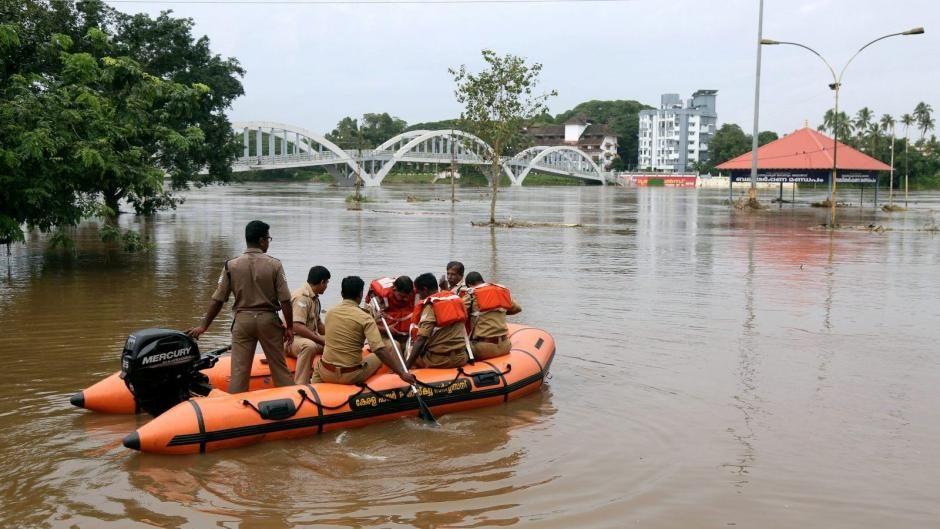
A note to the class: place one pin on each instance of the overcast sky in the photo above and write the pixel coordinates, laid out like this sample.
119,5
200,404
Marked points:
310,65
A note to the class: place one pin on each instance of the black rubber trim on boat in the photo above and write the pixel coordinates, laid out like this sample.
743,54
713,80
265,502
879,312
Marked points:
309,422
78,399
502,376
316,400
539,343
202,427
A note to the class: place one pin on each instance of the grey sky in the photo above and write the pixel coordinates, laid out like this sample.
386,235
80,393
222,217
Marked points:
310,65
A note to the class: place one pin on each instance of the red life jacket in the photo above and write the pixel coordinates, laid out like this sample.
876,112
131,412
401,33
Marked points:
448,309
491,296
397,316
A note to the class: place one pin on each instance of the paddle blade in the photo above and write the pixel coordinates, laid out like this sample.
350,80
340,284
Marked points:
424,412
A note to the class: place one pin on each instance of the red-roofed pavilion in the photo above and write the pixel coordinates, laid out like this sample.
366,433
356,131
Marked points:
805,157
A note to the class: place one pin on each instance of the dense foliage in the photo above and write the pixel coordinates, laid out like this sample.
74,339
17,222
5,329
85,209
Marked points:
375,129
918,157
730,141
97,106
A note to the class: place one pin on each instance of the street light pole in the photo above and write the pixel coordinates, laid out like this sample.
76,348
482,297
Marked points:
752,192
836,86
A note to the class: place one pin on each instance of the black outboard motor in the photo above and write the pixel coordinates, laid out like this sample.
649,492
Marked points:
161,368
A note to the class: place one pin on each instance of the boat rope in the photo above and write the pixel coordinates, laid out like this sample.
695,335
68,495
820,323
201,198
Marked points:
304,397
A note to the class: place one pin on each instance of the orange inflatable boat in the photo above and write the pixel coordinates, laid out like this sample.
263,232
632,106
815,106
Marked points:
208,423
111,395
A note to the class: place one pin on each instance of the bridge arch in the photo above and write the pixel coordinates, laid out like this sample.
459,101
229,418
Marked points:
530,158
303,141
418,138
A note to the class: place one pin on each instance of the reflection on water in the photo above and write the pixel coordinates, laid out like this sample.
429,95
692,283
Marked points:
714,367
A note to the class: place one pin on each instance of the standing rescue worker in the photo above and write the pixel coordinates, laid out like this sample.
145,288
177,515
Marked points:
348,327
308,327
396,298
453,280
488,304
260,287
441,335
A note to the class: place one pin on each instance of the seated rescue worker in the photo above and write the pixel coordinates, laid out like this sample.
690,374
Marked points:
488,304
396,298
453,280
308,327
441,333
348,327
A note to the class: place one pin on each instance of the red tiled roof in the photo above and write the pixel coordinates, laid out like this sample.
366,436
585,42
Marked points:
805,149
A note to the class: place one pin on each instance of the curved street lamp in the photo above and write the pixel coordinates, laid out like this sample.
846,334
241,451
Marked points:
835,86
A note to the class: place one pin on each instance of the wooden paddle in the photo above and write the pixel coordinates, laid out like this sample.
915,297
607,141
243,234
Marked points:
423,410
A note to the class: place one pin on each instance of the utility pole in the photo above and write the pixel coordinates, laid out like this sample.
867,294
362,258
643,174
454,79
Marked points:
453,169
752,192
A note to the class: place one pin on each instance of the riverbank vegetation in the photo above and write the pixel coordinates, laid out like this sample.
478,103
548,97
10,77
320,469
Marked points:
917,158
99,107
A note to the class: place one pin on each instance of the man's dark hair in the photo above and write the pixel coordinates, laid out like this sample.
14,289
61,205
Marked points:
456,264
473,278
255,231
352,286
317,274
426,280
404,285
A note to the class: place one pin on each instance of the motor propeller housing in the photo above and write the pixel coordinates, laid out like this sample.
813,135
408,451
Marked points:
159,367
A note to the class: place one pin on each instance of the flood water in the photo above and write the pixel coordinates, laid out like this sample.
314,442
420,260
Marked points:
714,368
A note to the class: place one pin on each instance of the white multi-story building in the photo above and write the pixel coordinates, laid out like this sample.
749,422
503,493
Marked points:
673,137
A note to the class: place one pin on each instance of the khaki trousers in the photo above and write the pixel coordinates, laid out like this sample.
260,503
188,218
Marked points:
455,358
370,364
485,350
305,351
248,329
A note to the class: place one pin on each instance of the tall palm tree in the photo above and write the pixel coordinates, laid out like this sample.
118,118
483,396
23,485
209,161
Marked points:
842,122
907,120
887,125
863,120
922,114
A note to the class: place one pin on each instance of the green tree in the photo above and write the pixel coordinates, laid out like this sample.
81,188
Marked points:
498,102
376,128
83,121
622,116
766,136
840,125
925,121
728,142
863,119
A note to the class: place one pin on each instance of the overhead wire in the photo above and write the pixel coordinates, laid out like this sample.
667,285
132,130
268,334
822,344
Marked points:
365,2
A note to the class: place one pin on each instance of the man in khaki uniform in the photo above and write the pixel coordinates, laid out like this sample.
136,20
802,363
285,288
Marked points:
260,287
453,279
308,327
489,335
348,327
443,347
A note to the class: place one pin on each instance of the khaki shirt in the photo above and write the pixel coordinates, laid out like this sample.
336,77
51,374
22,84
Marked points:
258,281
445,339
460,288
306,308
348,327
491,324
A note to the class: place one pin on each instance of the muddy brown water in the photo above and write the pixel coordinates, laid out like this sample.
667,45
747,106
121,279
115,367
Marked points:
714,368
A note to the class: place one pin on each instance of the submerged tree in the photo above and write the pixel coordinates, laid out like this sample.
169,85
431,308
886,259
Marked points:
97,106
498,102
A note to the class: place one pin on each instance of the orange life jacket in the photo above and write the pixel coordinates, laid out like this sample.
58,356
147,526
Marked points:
491,296
448,309
398,316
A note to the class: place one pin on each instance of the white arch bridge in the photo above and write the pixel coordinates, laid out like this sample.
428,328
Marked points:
269,145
